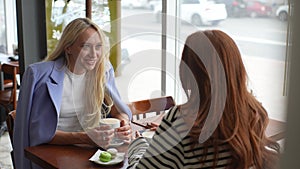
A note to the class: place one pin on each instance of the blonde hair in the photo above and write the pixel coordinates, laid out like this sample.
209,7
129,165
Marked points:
95,79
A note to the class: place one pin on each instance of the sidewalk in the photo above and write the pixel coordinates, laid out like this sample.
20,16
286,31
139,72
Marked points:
5,149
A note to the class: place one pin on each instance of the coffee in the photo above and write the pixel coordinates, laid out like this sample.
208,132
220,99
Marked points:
112,122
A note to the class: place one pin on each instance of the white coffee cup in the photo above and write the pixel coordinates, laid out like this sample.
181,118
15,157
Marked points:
113,123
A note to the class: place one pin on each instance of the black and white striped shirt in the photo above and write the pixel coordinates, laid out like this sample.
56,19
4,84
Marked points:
171,148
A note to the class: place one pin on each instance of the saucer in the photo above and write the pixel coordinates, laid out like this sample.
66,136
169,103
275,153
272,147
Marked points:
118,159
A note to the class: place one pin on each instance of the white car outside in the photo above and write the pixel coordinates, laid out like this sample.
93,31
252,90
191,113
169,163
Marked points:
282,12
199,12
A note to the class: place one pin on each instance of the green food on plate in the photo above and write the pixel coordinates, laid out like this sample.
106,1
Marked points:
105,156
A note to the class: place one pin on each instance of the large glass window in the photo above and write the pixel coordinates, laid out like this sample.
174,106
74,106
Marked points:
140,68
8,28
257,27
58,14
3,45
61,12
261,37
151,43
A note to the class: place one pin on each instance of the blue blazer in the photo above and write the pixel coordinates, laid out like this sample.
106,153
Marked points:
39,106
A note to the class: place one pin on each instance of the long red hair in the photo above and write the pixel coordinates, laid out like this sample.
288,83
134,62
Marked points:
243,120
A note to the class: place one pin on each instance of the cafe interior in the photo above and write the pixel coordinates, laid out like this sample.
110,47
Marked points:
146,42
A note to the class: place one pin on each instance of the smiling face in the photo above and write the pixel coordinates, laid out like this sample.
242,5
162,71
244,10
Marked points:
85,52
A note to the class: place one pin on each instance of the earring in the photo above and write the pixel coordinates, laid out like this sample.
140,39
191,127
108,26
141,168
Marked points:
188,93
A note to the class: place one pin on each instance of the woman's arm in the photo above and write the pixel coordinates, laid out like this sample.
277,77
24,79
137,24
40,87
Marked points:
124,132
98,136
164,150
116,114
121,110
22,120
64,138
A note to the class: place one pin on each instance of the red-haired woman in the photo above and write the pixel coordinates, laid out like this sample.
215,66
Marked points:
222,125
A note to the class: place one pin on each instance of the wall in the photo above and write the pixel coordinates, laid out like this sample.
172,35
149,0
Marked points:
290,157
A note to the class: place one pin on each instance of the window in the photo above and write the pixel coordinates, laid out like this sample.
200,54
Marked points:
151,48
59,14
259,34
140,68
3,45
261,37
8,27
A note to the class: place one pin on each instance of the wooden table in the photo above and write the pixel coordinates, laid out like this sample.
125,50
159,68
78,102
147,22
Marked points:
65,157
276,130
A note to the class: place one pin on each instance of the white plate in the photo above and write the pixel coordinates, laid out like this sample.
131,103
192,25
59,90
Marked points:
119,158
148,134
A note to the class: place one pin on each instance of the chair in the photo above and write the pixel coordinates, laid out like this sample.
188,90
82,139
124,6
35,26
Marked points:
10,126
8,96
157,105
10,123
8,83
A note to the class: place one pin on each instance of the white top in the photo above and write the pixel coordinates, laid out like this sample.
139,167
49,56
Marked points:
72,102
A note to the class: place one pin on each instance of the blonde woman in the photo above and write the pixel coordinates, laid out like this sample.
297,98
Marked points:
62,98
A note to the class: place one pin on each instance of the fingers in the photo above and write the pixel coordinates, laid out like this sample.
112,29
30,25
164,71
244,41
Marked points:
102,127
101,136
127,136
127,132
124,132
153,128
137,134
153,124
105,138
125,129
123,123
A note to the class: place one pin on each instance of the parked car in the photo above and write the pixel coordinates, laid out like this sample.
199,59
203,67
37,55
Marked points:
237,8
282,12
258,8
199,12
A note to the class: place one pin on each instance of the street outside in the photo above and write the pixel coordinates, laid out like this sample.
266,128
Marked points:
262,42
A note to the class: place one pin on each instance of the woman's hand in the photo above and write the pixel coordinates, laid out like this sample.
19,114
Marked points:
101,135
137,134
153,126
124,132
